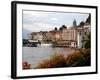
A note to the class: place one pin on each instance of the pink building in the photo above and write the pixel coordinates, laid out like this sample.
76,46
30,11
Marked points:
69,34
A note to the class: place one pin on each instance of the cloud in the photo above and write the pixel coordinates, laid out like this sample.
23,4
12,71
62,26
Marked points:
36,27
35,13
37,20
54,19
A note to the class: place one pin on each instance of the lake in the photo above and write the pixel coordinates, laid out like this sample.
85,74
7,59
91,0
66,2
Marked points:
33,55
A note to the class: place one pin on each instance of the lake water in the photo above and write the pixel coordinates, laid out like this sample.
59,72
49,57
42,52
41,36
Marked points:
33,55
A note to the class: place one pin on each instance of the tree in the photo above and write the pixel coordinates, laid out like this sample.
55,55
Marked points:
88,20
88,42
62,27
55,29
81,24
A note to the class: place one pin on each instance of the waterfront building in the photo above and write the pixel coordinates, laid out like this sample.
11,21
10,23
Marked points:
48,36
69,34
44,36
79,39
73,44
56,35
70,37
36,36
53,35
31,36
82,35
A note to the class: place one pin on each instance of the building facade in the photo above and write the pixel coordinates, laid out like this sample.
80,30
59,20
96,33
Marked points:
82,35
69,34
72,37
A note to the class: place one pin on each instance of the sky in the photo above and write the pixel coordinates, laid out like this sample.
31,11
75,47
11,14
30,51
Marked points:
35,21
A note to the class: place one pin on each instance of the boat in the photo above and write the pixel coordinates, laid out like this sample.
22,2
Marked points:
44,45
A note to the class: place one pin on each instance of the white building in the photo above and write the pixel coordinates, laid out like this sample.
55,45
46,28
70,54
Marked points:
82,33
79,39
36,36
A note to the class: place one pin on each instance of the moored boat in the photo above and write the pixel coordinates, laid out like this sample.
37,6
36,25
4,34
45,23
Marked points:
44,45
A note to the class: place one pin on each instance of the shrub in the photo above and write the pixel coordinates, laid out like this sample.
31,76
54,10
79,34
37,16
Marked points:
56,60
87,55
80,57
75,59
